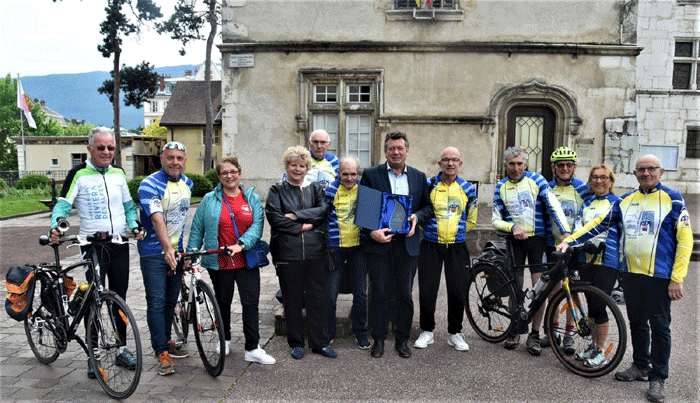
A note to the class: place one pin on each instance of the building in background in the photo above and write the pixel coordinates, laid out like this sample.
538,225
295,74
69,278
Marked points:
667,121
186,121
477,75
154,108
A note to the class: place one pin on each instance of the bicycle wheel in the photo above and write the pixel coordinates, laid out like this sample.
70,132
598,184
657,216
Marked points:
489,298
591,334
180,322
40,322
208,329
106,345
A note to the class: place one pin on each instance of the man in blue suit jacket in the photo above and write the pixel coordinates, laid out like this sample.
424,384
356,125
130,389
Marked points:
392,258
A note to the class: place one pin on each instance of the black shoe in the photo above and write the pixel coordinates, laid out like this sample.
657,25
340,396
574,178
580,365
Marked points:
326,352
512,341
377,349
402,348
91,371
533,344
656,392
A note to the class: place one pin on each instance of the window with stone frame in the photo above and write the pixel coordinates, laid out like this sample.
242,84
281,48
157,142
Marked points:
686,57
692,143
345,105
402,4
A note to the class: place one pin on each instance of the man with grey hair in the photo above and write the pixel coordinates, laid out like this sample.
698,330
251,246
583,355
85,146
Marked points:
101,196
345,241
519,204
657,242
324,165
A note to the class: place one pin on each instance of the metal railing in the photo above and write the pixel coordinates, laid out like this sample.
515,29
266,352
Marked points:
11,177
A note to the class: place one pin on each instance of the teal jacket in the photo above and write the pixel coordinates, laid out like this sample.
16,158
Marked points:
205,224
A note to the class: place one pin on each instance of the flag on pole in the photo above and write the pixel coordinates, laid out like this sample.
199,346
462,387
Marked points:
23,105
428,3
418,3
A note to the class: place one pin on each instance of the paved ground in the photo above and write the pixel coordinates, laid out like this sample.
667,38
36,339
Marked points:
485,373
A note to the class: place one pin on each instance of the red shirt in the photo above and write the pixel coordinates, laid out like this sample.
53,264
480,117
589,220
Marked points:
227,233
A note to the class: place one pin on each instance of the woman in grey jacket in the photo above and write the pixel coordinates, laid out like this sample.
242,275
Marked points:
229,206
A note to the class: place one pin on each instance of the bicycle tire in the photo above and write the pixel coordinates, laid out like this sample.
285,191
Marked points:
41,339
488,302
180,319
118,381
208,329
615,339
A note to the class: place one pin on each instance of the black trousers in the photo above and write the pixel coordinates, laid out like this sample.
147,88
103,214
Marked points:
394,270
456,260
306,283
248,282
114,267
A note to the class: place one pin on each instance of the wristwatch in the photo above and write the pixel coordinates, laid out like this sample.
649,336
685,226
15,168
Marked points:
239,242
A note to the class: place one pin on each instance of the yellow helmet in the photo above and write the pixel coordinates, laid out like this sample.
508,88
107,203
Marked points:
563,154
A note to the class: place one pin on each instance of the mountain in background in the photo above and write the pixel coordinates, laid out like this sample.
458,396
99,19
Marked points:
75,96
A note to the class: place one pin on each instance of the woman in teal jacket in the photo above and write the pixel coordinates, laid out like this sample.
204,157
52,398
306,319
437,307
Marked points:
226,211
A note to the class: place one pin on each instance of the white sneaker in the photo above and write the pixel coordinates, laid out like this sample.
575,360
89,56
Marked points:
424,339
228,347
457,341
259,355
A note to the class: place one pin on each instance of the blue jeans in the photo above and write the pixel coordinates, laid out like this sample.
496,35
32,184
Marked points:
352,259
161,296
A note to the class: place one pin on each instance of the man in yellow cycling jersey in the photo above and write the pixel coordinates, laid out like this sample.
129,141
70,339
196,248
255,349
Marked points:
519,204
657,242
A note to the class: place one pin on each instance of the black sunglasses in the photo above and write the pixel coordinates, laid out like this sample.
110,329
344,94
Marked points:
102,148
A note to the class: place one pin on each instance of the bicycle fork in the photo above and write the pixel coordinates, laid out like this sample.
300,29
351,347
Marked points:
574,305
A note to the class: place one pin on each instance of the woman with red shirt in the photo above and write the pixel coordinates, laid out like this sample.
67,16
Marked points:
213,225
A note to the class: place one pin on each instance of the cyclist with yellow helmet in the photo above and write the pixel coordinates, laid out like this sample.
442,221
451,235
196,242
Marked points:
571,193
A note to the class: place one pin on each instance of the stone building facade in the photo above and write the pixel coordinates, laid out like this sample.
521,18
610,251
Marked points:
668,96
478,75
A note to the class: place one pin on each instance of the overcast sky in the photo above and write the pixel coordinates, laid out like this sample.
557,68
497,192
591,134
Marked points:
40,37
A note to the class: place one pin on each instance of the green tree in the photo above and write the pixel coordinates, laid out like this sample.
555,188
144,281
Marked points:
117,25
77,130
185,25
138,83
155,130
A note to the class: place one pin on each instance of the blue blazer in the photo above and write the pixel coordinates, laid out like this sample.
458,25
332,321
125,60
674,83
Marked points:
377,178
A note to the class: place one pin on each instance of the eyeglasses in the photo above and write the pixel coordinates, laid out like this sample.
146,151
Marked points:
600,178
102,148
228,173
446,160
319,142
564,165
651,170
176,145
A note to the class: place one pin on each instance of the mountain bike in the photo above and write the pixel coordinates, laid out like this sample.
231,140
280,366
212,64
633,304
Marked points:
54,319
495,307
197,305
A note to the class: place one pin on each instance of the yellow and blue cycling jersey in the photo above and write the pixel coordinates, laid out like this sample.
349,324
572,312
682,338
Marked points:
455,211
522,203
341,228
592,208
571,197
656,236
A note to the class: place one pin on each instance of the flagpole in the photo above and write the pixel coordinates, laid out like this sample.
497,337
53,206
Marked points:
24,147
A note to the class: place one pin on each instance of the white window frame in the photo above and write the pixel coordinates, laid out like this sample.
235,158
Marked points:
317,92
341,114
55,162
693,60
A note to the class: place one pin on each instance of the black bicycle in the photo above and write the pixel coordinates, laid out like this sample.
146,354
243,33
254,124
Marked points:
495,307
54,318
197,305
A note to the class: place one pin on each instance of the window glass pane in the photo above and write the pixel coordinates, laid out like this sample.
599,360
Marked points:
359,93
359,131
681,75
684,49
692,145
329,123
325,93
529,132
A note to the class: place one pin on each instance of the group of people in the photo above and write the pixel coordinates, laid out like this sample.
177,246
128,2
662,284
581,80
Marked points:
647,237
315,243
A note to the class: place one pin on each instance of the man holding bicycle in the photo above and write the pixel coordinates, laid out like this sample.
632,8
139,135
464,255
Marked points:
165,201
100,193
519,204
657,242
